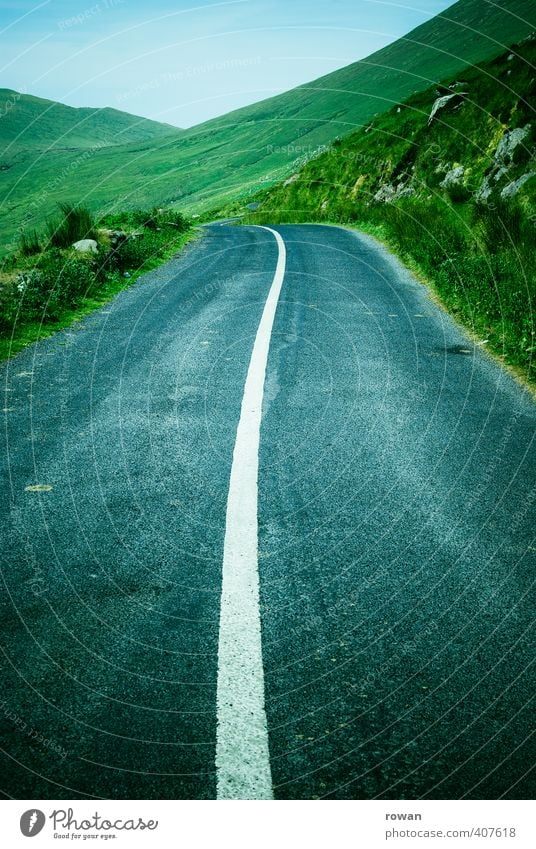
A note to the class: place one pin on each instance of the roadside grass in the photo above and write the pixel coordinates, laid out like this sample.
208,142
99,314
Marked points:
490,295
59,286
483,269
74,223
476,252
29,243
481,265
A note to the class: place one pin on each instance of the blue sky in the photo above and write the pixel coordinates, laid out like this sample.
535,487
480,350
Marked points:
184,62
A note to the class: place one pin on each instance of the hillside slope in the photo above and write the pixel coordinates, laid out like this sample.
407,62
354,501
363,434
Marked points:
475,146
449,180
465,34
35,123
233,156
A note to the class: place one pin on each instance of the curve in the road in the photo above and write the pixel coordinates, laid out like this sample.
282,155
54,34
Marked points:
393,580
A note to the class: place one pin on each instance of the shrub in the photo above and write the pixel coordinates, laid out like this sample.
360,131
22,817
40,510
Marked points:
498,223
29,243
128,218
135,252
75,223
158,218
152,219
176,219
458,193
54,284
59,278
9,304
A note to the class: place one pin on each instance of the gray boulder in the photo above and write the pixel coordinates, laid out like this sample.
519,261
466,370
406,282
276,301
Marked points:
388,193
385,194
404,191
86,246
508,143
484,190
441,102
452,177
512,188
502,162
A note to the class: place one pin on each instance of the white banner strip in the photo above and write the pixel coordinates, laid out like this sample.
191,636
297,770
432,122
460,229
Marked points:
243,824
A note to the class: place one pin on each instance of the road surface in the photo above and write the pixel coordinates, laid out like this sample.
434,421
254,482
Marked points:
329,595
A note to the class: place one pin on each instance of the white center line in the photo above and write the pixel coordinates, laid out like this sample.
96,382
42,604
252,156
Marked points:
242,754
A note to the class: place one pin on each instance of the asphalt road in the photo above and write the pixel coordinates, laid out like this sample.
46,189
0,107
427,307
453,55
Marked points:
396,502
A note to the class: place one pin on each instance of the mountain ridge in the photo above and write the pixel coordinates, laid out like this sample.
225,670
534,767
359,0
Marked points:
29,122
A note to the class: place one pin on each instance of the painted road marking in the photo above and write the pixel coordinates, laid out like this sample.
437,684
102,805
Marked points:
242,754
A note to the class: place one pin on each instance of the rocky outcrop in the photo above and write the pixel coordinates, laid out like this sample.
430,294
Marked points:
452,177
453,99
404,191
501,163
388,193
385,194
512,188
291,180
508,143
26,279
484,190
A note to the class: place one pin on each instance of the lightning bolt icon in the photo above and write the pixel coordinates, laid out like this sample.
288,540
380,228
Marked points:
33,820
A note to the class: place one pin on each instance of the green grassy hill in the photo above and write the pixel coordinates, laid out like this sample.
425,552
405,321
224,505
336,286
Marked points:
29,122
234,155
403,154
455,196
466,33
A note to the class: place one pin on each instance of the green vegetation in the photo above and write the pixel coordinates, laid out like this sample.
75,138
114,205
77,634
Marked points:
73,224
455,197
28,122
47,284
233,156
29,243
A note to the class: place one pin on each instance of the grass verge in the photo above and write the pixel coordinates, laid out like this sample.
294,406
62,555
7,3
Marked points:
474,325
452,193
51,288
